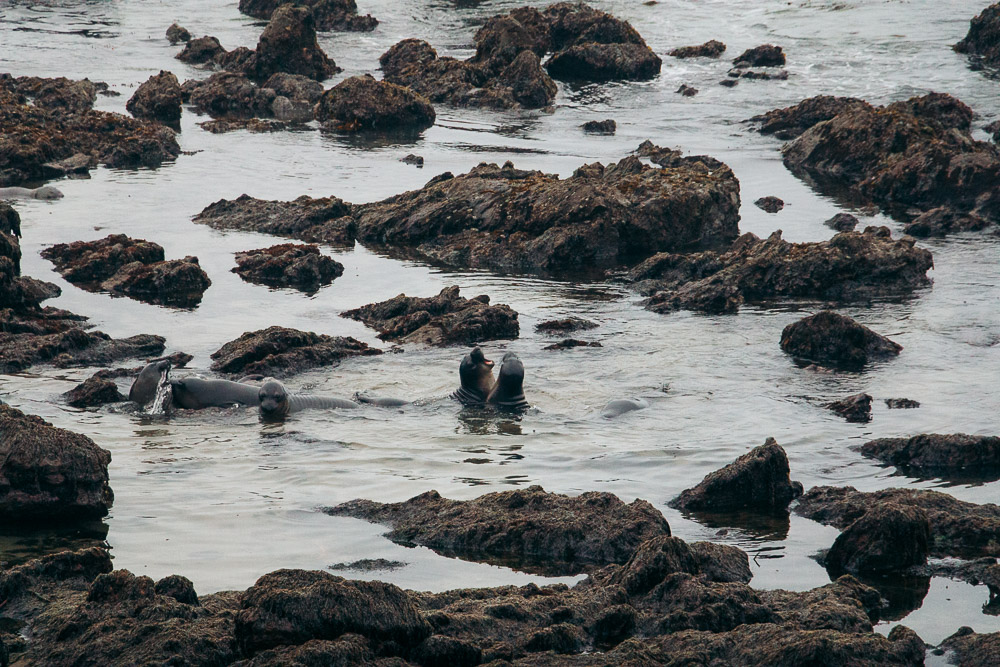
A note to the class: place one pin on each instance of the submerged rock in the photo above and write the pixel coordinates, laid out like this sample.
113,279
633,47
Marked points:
983,39
288,265
831,338
765,55
770,204
687,91
608,126
279,352
856,408
445,319
938,454
790,122
757,481
362,103
570,343
340,15
200,50
710,49
565,325
885,539
159,98
98,389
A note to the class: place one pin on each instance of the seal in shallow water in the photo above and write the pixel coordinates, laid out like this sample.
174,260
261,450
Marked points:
476,375
276,403
508,392
45,192
620,406
143,390
192,393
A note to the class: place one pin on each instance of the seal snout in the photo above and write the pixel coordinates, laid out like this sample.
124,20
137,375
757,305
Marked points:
273,398
478,357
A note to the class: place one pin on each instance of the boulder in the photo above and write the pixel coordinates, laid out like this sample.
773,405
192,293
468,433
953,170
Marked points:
200,50
279,352
604,62
790,122
176,33
600,126
688,91
710,49
288,44
445,319
339,15
323,220
831,338
91,262
362,103
288,265
971,649
887,538
98,389
982,43
159,98
842,222
229,94
856,408
765,55
901,403
176,282
565,325
938,454
770,204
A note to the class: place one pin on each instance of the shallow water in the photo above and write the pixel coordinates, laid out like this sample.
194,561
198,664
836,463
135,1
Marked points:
222,499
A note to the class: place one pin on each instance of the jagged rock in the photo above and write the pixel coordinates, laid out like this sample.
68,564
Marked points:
288,44
849,267
226,94
159,98
710,49
295,87
325,220
176,33
90,262
842,222
570,343
49,474
175,282
856,408
687,91
98,389
765,55
58,94
288,265
362,103
535,530
901,403
608,126
769,204
972,649
939,454
445,319
790,122
565,325
888,538
831,338
72,347
278,351
983,39
200,50
330,14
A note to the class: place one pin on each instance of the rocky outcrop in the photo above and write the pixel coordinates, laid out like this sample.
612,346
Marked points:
159,98
338,15
565,325
49,474
96,390
938,454
177,33
982,43
279,352
527,528
323,220
91,262
790,122
608,126
765,55
713,48
228,95
58,94
288,44
856,408
971,649
770,204
362,103
176,282
56,339
885,539
758,481
200,50
445,319
831,338
288,265
849,267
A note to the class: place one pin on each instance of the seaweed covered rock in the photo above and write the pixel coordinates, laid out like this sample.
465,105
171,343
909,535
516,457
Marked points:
322,220
765,55
607,126
200,50
57,339
362,103
445,319
938,454
982,43
288,265
49,474
770,204
89,262
279,351
536,530
159,98
98,389
758,480
971,649
831,338
338,15
849,267
792,121
842,222
229,94
176,282
288,44
889,538
856,408
713,48
176,33
565,325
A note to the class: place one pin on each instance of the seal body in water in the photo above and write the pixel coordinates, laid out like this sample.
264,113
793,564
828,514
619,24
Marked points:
45,192
476,375
620,406
276,403
508,392
191,393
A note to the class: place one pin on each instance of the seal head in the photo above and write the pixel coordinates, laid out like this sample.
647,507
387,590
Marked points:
273,400
476,375
508,392
47,192
143,390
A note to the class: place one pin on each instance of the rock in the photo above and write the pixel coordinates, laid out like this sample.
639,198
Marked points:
280,352
652,562
295,87
983,39
288,44
98,389
756,481
901,403
885,539
608,126
369,565
290,111
340,15
856,408
842,222
722,562
765,55
710,49
971,649
445,319
362,103
831,338
790,122
159,98
255,125
10,223
177,587
570,343
91,262
176,282
729,83
324,220
849,267
687,91
228,94
48,474
565,325
535,530
938,454
79,163
994,129
288,265
176,33
604,62
756,74
200,50
441,651
69,347
769,204
59,94
942,221
415,160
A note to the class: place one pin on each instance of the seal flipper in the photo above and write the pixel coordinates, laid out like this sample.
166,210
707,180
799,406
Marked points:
380,401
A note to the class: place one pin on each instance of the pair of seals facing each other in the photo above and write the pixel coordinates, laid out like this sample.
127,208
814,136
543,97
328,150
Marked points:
46,192
479,388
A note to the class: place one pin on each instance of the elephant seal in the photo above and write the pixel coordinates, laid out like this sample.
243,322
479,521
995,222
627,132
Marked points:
143,390
194,393
380,401
276,403
508,392
620,406
46,192
476,375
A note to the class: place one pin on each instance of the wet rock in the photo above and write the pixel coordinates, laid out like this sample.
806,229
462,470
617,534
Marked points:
200,50
729,83
339,15
226,94
280,352
758,75
98,389
58,94
790,122
842,222
570,343
972,649
940,454
288,44
831,338
295,87
856,408
49,474
441,651
565,325
159,98
994,130
90,262
323,220
608,126
851,266
652,562
942,221
769,204
176,282
176,33
10,223
983,39
710,49
79,163
604,62
415,160
445,319
901,403
288,265
528,527
362,103
69,347
765,55
291,111
758,481
177,587
721,562
254,125
369,565
885,539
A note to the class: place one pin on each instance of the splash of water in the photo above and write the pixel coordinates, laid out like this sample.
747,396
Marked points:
164,395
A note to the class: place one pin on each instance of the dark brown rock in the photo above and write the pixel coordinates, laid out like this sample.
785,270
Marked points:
175,282
339,15
687,91
295,87
67,347
901,403
441,651
831,338
710,49
790,122
600,126
939,454
278,352
415,160
758,481
653,561
722,562
983,39
59,94
49,474
177,587
842,222
362,103
856,408
159,98
887,538
570,343
288,44
565,325
943,220
200,50
229,94
972,649
528,528
324,220
765,55
288,265
604,62
769,204
10,223
98,389
176,33
90,262
254,125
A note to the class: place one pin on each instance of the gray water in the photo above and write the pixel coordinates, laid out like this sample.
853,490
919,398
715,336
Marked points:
222,499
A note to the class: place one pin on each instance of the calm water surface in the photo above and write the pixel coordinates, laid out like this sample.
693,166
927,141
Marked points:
222,499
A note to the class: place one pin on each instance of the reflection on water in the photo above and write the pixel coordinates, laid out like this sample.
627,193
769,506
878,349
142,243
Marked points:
22,543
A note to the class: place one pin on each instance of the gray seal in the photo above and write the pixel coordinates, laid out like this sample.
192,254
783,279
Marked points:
46,192
620,406
508,392
194,393
143,390
476,376
276,403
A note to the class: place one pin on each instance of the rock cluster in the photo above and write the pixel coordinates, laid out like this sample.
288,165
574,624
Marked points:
279,352
982,43
339,15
